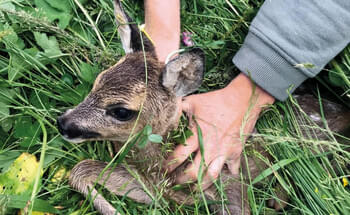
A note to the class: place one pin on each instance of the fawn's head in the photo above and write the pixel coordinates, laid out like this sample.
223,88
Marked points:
137,91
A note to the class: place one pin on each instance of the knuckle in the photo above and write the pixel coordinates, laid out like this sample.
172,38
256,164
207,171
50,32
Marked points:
192,173
213,174
191,145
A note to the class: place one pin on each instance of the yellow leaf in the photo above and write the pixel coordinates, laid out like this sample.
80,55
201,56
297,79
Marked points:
60,175
345,182
21,212
20,177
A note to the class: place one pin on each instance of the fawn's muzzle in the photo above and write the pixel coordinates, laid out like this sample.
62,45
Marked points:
71,131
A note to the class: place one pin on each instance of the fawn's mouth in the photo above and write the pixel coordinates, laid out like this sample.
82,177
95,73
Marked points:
79,139
74,133
75,140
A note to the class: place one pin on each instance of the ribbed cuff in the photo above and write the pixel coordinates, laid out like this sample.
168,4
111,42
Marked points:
267,68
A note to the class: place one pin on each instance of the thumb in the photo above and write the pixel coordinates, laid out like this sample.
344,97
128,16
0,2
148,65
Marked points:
234,164
188,108
187,104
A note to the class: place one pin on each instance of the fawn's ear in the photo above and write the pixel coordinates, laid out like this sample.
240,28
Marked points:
184,74
130,33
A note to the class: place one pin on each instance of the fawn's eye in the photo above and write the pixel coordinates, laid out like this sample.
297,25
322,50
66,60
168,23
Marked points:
120,113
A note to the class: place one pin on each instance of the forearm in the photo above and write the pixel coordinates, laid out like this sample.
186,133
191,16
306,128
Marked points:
287,34
162,23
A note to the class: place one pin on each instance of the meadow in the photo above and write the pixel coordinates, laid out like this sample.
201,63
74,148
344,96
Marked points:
50,54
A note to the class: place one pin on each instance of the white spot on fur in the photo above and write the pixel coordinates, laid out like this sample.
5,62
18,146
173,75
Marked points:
315,117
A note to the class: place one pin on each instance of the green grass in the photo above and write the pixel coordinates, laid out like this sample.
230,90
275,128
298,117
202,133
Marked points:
50,54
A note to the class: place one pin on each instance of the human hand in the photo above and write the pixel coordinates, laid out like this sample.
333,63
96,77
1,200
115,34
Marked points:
225,117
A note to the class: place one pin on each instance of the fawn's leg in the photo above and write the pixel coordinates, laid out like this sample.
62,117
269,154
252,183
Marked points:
235,192
85,174
232,192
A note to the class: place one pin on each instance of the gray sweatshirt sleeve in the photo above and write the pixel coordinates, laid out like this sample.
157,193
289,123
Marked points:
288,33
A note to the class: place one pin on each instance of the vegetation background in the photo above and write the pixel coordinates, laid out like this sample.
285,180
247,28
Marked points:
52,50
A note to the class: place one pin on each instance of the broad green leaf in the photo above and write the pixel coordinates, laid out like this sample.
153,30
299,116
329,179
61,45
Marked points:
10,38
6,95
21,61
155,138
7,5
53,13
13,43
83,89
142,141
88,72
27,130
39,100
143,138
13,73
4,111
7,158
67,78
22,127
54,151
6,124
29,141
147,130
20,201
63,5
48,44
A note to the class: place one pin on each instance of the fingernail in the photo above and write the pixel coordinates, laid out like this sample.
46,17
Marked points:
205,185
179,180
183,180
168,165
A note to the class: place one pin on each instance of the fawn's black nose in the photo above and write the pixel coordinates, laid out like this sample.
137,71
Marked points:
71,130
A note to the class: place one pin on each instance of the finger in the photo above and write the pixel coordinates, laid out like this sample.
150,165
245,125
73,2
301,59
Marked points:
186,104
213,172
179,109
191,173
234,164
188,109
182,152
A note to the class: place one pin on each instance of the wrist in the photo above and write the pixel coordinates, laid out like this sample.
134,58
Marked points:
243,88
